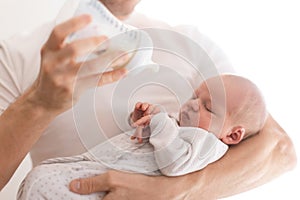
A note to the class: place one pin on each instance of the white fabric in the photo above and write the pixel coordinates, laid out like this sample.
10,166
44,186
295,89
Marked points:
171,151
181,150
74,131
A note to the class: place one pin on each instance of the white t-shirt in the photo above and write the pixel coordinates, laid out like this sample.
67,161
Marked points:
103,112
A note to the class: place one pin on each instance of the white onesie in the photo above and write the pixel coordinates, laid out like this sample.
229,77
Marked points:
171,151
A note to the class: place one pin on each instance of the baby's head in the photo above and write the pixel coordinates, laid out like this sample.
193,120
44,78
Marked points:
230,106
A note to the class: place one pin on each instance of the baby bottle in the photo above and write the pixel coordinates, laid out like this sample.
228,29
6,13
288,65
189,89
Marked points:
122,38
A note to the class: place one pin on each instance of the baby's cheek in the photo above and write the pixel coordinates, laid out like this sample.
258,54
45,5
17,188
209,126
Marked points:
194,119
204,121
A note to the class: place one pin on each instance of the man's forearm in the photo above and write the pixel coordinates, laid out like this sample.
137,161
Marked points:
248,165
21,125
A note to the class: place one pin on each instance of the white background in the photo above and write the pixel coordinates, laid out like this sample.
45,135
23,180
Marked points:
261,38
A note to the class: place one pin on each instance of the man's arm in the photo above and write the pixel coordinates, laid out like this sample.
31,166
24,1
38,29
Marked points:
254,162
23,122
20,127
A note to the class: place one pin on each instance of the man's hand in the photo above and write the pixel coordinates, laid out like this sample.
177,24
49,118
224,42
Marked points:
122,185
54,90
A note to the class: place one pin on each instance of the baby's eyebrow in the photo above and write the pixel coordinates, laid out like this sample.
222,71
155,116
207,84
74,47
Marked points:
194,95
197,92
208,101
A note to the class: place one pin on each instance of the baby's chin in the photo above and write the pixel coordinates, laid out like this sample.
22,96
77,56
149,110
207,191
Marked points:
182,119
189,119
185,121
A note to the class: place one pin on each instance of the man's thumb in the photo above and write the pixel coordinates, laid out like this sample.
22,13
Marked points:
87,185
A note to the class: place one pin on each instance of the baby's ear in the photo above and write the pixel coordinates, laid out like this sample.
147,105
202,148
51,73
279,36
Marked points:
235,135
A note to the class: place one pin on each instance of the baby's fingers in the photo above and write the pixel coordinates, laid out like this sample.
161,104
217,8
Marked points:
153,109
144,121
157,109
149,110
145,106
138,105
138,134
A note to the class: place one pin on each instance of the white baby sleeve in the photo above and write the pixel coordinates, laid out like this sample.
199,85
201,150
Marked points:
181,150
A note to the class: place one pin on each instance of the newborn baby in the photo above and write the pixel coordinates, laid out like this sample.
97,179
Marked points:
223,111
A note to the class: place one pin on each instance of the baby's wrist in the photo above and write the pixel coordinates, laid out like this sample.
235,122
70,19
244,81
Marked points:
130,120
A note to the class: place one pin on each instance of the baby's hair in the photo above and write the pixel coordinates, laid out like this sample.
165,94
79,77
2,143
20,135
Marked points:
252,111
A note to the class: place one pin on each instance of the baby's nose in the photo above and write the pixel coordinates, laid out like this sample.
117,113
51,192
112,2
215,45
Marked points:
195,105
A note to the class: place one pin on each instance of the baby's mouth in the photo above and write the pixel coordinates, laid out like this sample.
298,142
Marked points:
185,115
183,118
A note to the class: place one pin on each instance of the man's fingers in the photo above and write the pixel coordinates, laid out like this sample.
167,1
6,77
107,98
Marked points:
61,31
82,47
100,63
84,83
90,185
112,76
79,48
110,196
120,59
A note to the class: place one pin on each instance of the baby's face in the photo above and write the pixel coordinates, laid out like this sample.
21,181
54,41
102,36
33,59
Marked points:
204,108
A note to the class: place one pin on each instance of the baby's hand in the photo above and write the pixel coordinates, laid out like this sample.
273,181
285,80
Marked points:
144,109
140,125
138,134
141,117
